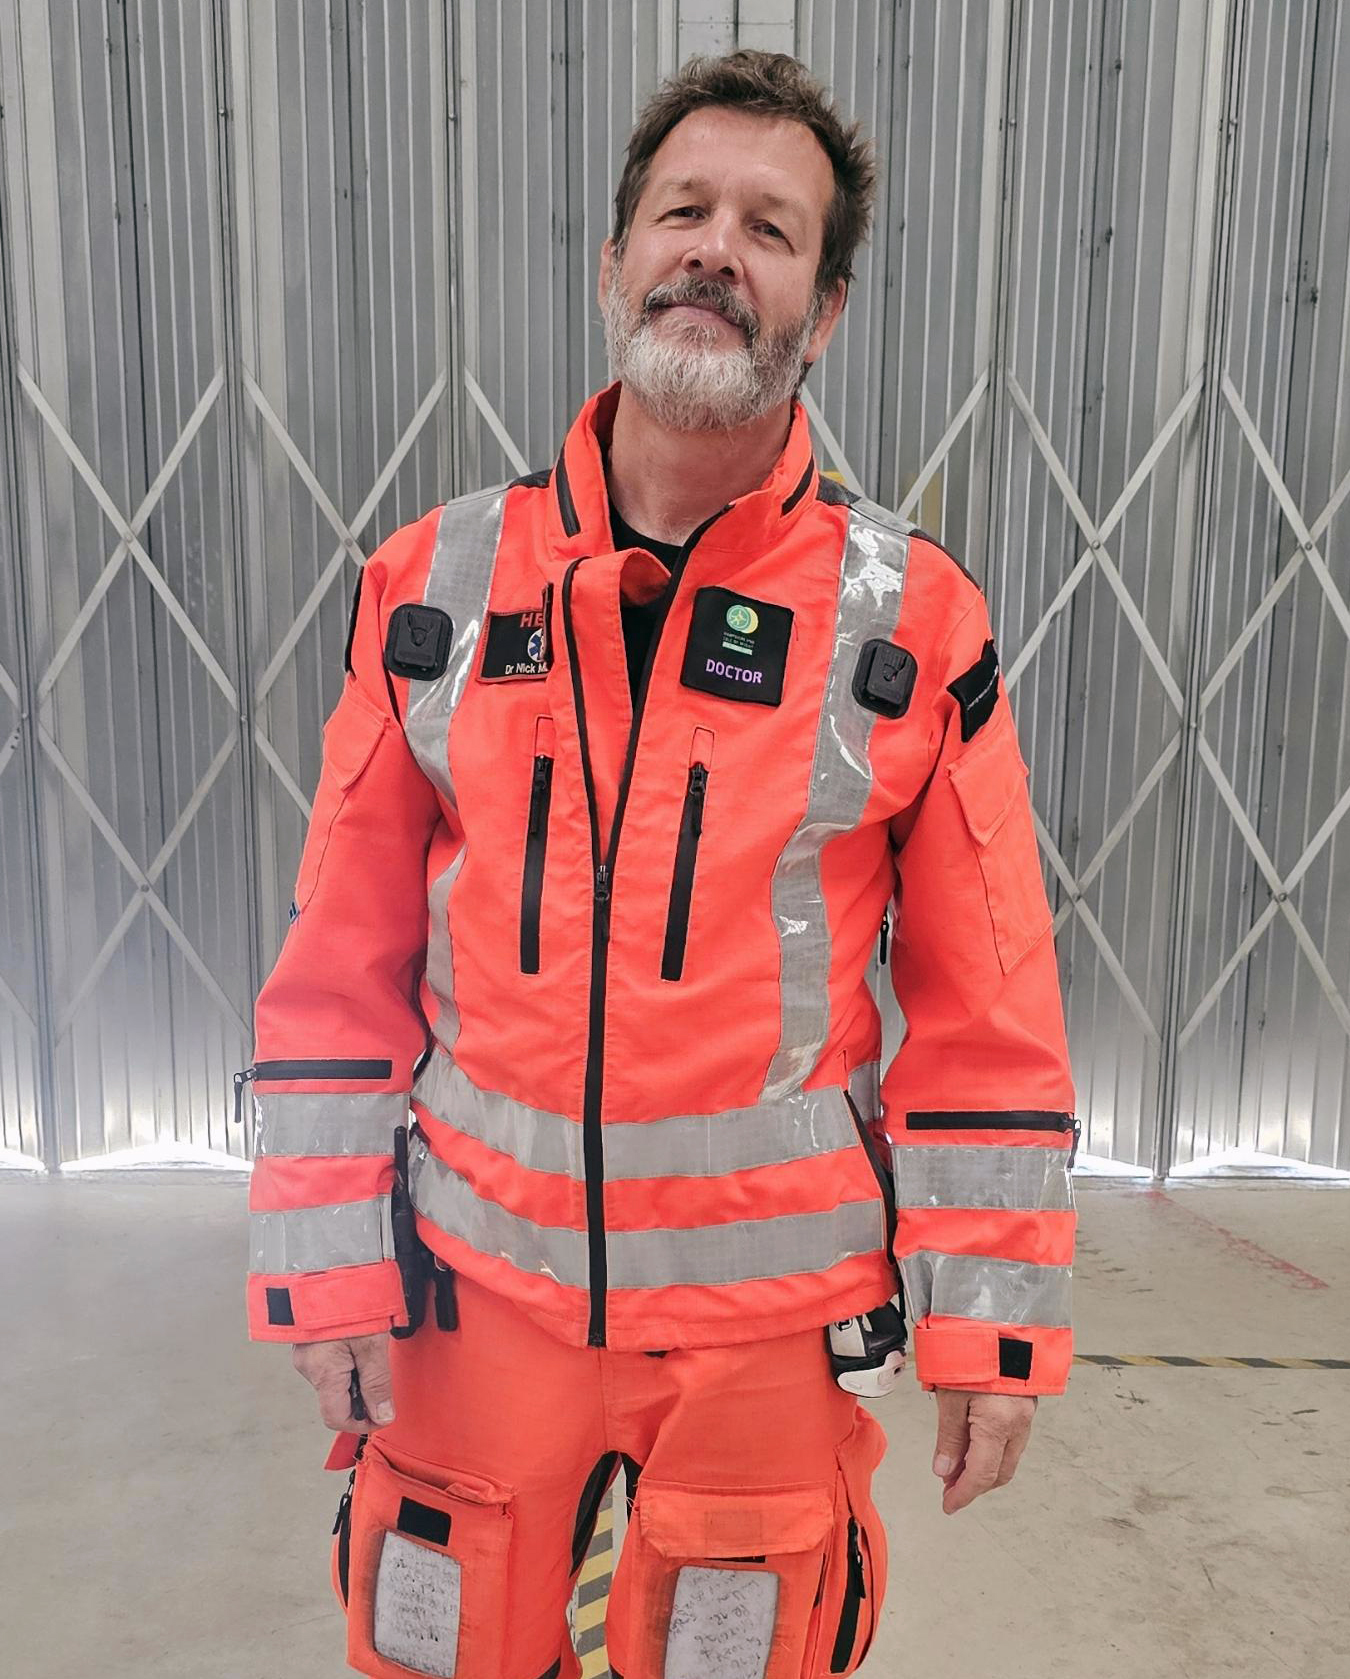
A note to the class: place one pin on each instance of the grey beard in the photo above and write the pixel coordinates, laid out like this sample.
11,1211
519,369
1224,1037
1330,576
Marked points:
688,382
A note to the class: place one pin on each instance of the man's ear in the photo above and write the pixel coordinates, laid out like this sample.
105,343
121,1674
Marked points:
835,300
606,271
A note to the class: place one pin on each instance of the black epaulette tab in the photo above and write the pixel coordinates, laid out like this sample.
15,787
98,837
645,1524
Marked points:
976,691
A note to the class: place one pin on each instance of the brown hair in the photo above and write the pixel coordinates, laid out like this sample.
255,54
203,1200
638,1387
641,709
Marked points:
768,84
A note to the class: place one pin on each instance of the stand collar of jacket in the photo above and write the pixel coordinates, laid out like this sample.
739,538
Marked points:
578,515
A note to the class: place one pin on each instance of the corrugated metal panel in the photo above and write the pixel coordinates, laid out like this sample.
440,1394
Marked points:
265,338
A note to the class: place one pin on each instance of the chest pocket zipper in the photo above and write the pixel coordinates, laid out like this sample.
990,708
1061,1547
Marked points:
536,845
686,855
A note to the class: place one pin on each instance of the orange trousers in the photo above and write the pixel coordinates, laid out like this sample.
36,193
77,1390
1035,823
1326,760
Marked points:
753,1548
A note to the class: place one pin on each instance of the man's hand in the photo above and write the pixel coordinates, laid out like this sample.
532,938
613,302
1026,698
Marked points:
327,1366
980,1440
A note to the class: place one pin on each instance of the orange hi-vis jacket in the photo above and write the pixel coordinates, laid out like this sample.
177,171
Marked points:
613,951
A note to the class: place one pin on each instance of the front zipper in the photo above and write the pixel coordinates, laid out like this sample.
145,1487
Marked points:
854,1593
686,858
318,1069
536,845
883,1177
602,860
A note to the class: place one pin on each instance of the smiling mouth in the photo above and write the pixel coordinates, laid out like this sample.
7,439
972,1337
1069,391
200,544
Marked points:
701,309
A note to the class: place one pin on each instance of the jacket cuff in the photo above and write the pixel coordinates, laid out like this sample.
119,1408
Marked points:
325,1305
991,1357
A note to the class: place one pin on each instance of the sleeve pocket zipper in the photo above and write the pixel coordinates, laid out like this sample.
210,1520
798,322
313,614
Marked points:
306,1069
536,845
686,857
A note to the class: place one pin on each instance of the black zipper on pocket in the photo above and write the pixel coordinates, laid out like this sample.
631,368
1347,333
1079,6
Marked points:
682,879
342,1527
854,1593
884,938
305,1070
532,881
879,1171
1013,1119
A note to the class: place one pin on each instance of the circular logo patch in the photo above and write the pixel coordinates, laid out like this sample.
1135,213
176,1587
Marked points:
743,618
535,649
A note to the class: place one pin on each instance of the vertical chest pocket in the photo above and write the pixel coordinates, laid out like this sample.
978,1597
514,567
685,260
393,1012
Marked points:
990,783
536,844
350,738
686,854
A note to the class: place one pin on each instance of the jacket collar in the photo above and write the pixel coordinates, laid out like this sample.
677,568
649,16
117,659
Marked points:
578,514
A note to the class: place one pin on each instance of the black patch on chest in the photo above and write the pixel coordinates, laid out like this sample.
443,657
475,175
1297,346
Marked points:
516,646
883,679
418,643
737,647
976,691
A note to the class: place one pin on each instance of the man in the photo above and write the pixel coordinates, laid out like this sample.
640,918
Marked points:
632,759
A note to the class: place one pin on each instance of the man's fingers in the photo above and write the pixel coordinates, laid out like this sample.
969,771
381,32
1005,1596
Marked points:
371,1353
984,1459
333,1387
953,1431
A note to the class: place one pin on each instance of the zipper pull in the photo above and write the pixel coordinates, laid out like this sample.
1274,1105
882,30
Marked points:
537,785
602,895
1077,1135
245,1076
345,1502
855,1560
884,942
698,786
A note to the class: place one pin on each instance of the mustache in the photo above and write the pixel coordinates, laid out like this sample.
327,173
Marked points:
706,293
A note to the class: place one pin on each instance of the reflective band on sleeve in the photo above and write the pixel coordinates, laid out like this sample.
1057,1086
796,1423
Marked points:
307,1123
810,1123
458,583
321,1238
440,954
704,1255
975,1175
864,1086
953,1285
871,583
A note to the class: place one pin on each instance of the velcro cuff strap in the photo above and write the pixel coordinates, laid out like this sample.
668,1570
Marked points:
956,1355
344,1301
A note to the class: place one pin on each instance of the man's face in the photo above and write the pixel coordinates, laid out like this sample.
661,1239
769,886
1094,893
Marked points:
711,309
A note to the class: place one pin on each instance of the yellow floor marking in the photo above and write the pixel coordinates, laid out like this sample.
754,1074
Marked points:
596,1663
594,1568
591,1614
605,1520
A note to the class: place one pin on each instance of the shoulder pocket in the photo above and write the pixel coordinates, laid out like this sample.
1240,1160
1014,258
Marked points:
990,783
350,737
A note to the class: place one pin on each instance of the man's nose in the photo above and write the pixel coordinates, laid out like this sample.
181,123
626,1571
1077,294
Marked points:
713,252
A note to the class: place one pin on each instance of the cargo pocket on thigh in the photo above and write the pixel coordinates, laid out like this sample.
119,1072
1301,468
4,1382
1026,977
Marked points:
718,1582
855,1577
426,1569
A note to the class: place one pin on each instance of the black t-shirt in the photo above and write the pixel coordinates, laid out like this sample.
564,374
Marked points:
639,621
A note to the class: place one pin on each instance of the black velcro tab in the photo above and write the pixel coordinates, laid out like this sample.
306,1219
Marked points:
418,643
883,679
1014,1358
517,646
423,1522
976,691
279,1308
737,647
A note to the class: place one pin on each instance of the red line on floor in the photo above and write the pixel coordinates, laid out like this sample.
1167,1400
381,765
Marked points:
1241,1244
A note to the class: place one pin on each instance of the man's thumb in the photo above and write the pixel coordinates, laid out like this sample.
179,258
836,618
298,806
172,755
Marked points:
953,1430
371,1354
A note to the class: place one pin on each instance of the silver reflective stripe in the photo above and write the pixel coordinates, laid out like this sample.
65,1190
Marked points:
957,1285
871,583
864,1086
321,1238
810,1123
458,583
705,1255
309,1124
440,953
957,1175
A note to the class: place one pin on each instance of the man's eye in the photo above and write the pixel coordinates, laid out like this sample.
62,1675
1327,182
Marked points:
685,210
777,232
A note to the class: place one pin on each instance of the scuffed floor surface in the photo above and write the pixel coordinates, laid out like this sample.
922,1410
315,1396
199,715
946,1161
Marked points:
165,1512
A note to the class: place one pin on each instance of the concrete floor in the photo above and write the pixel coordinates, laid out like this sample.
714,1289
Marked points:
164,1510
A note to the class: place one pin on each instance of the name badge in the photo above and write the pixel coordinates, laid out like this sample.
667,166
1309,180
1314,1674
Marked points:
517,646
737,647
